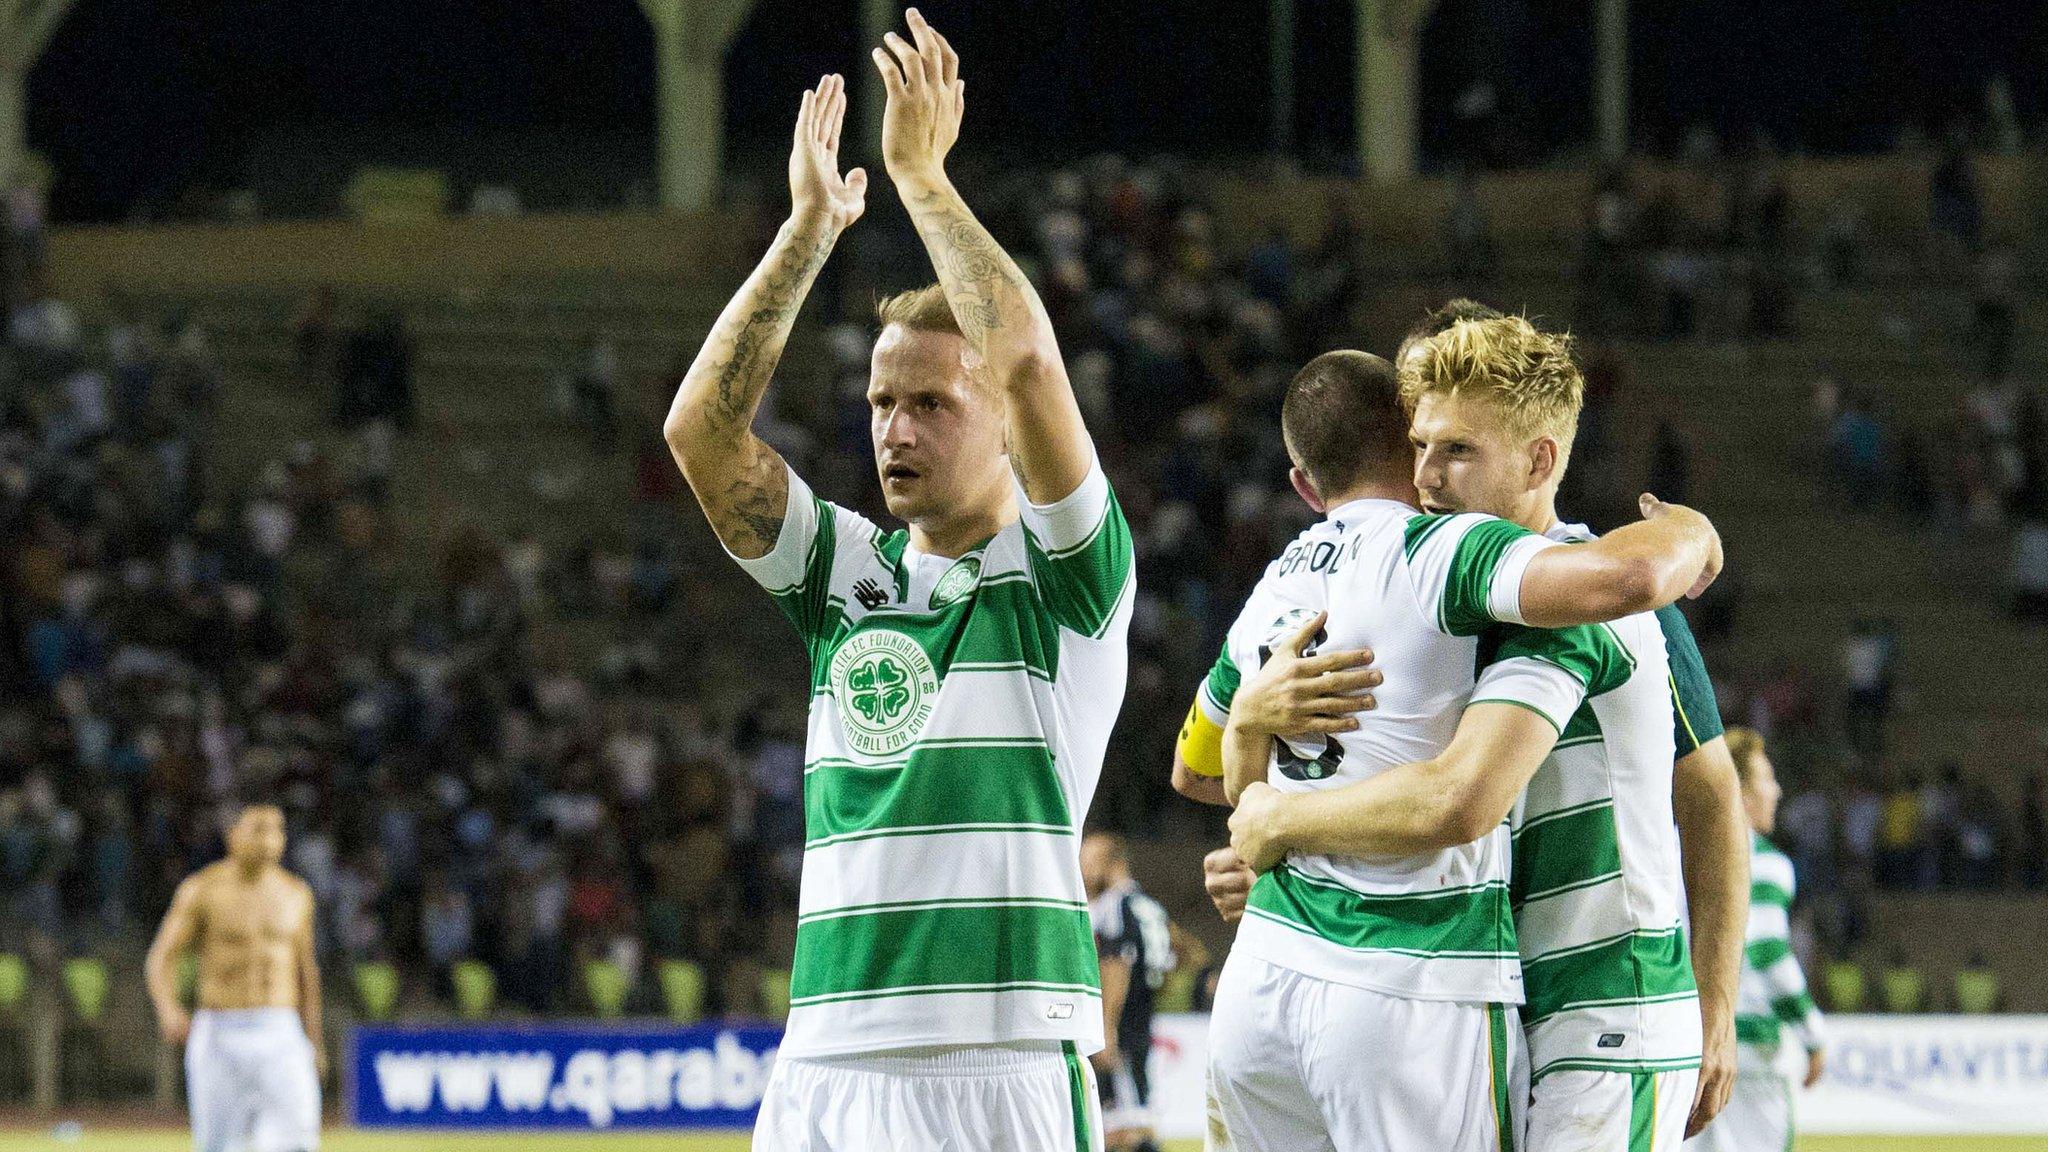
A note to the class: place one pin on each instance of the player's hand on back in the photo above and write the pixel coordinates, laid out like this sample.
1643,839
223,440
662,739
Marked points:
926,100
1297,694
1654,509
1228,882
816,189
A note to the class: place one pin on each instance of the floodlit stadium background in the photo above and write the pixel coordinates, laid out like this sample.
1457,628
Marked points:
336,349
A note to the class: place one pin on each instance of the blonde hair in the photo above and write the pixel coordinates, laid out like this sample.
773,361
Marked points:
1744,745
920,310
1528,372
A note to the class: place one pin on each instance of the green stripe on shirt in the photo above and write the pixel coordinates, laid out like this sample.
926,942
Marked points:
1456,922
937,949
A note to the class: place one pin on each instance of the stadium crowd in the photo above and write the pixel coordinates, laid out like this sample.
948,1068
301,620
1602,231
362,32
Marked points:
459,785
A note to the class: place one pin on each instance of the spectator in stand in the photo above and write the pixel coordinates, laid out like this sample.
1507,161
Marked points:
1905,861
1806,823
1863,812
1981,842
1870,670
1856,450
1994,325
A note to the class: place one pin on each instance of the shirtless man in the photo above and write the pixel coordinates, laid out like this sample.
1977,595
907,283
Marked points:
253,1059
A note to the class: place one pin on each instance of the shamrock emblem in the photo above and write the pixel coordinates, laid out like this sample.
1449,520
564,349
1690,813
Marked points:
879,689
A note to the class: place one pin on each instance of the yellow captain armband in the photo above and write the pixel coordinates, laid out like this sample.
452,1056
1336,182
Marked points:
1201,743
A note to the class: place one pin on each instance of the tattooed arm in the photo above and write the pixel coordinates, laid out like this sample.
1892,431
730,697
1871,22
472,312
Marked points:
998,311
741,482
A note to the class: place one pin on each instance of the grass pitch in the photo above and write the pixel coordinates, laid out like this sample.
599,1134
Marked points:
94,1139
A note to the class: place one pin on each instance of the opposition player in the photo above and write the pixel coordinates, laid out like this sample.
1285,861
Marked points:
965,671
1135,941
253,1056
1414,948
1774,997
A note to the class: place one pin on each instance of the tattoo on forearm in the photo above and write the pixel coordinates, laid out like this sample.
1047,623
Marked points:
739,489
743,374
979,278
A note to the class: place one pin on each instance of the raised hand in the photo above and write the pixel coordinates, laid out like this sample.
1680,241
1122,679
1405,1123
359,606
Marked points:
926,100
816,189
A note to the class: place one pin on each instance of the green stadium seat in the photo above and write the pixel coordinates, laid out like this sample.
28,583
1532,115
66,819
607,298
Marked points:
86,983
1846,985
1903,988
397,195
1976,991
476,989
376,989
775,993
606,985
14,980
682,990
1177,993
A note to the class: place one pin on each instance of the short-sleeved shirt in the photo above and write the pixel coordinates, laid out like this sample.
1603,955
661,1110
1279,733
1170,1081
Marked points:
1597,884
1437,599
959,711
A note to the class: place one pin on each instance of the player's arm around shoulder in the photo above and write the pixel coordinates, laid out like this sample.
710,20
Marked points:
1673,551
1516,713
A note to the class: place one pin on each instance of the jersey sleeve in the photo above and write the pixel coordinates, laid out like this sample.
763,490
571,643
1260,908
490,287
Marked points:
1080,553
1519,674
1201,734
1551,671
1695,713
1467,569
797,571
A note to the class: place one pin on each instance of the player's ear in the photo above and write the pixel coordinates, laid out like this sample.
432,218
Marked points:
1306,490
1543,460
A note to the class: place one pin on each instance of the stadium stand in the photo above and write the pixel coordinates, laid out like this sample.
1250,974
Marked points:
407,553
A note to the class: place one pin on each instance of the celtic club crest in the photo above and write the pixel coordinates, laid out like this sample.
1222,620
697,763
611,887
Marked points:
886,690
958,581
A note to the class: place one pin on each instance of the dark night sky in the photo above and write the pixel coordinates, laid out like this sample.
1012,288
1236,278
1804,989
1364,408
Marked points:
138,102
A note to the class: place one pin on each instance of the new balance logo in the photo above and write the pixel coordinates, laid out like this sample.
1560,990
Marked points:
1061,1010
870,595
1611,1040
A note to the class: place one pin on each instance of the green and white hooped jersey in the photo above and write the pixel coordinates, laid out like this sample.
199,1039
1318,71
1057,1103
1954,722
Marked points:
1597,886
959,712
1426,594
1772,997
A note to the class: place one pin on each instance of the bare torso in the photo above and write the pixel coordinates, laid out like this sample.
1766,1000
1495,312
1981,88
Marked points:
247,936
